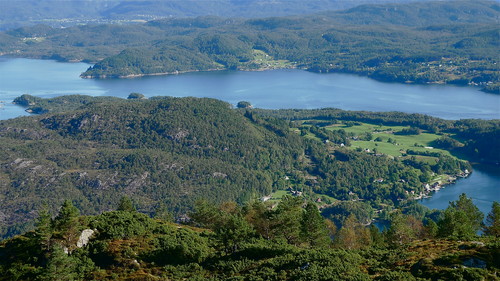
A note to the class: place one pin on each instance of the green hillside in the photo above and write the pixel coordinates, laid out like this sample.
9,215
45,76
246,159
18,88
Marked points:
73,12
173,151
436,42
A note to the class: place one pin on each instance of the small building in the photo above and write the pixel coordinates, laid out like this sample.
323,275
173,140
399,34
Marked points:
265,198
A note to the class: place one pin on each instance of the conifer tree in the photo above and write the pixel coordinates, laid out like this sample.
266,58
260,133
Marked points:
233,231
431,228
401,231
259,215
377,237
43,231
59,267
66,217
126,205
314,229
492,227
287,219
163,213
462,219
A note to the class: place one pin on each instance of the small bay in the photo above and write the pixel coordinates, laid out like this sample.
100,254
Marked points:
482,186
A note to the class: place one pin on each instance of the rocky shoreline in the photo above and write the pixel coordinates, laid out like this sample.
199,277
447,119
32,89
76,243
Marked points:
440,184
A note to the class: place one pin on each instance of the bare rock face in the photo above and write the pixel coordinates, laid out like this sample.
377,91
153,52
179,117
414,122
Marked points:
84,237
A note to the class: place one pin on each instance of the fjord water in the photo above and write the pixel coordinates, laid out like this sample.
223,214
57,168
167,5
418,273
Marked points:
482,186
267,89
272,89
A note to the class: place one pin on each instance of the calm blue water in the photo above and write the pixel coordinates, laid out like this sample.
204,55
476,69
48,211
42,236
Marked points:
268,89
483,186
272,89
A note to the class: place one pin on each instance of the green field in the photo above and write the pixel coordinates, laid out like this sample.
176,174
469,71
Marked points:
277,195
399,144
261,60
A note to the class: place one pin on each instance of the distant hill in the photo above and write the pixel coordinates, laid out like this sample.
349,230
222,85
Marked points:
65,13
421,14
434,42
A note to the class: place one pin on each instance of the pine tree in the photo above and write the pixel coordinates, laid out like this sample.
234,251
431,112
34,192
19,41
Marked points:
462,219
233,231
43,231
259,215
402,230
492,227
314,229
206,214
163,213
126,205
59,267
377,237
287,218
431,228
66,217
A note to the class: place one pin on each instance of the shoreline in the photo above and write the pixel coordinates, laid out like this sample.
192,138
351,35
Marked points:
439,184
131,76
361,74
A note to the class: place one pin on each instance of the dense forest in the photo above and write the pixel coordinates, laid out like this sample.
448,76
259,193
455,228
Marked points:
165,188
66,13
433,42
171,152
290,241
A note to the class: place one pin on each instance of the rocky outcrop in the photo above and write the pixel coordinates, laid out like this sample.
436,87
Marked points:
84,237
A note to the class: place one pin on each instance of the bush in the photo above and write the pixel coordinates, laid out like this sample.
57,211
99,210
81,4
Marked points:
121,225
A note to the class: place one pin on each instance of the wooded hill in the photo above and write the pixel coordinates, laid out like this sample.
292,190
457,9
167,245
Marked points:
173,151
72,12
434,42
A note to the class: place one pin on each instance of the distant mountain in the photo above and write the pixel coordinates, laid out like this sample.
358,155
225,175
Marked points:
421,14
65,13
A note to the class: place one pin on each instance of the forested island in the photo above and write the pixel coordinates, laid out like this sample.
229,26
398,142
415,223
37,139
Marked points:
433,42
